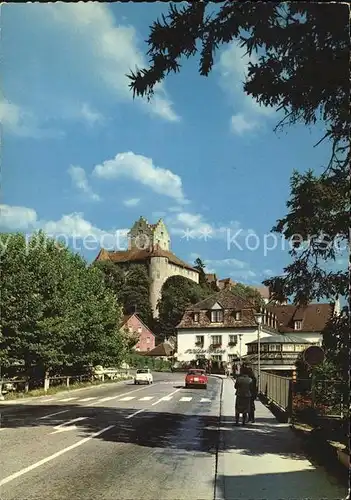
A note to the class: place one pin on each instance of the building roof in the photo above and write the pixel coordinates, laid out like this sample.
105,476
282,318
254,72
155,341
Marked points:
163,349
127,317
137,255
230,302
314,317
280,339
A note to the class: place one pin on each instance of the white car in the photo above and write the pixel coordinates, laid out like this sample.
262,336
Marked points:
143,376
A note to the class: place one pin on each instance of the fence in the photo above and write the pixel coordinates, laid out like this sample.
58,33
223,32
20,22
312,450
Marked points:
24,385
276,390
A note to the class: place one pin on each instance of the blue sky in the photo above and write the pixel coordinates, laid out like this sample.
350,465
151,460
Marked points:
80,157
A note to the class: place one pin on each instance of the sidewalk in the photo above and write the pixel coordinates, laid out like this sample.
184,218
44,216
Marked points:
264,460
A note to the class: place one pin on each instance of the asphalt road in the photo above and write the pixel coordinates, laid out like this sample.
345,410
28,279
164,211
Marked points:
121,441
116,441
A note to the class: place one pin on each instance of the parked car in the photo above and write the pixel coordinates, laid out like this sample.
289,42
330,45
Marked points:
196,378
143,376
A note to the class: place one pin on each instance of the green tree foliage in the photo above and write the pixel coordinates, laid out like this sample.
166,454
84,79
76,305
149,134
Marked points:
303,71
178,293
113,275
249,293
200,266
135,293
131,286
55,310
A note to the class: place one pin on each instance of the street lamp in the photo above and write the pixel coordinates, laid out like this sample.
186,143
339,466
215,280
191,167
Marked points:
258,319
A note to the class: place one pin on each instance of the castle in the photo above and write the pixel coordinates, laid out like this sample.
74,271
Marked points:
150,244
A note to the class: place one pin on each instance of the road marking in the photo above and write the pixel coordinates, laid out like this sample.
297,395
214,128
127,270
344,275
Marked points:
146,398
66,427
47,400
205,400
128,398
166,398
53,414
66,399
120,395
153,404
185,399
88,399
20,473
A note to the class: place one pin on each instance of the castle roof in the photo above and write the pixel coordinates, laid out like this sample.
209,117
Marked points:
137,255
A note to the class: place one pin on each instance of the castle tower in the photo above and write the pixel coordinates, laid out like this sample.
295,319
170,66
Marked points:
145,235
158,272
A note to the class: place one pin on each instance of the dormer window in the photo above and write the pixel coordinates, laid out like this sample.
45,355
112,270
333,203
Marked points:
298,325
217,316
196,317
237,315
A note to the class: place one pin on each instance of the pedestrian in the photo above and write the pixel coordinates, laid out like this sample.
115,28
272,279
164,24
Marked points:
243,395
254,393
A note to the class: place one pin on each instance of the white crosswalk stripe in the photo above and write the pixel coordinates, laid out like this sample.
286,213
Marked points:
87,399
166,398
128,398
67,399
146,398
205,400
185,399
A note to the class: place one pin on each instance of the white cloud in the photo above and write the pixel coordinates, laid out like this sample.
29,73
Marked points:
233,67
240,124
142,169
89,51
131,202
244,274
232,263
91,116
21,122
190,225
70,228
268,272
80,181
18,218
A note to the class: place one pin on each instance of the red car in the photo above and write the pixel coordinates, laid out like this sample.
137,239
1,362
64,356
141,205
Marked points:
196,378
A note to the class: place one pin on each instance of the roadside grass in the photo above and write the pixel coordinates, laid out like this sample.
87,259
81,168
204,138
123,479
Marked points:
62,388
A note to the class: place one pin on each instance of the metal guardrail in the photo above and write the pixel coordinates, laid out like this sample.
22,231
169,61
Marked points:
277,390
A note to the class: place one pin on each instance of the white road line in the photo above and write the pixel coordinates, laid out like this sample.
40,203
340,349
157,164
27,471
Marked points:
185,399
47,400
8,479
146,398
120,395
153,404
166,398
88,399
53,414
66,427
66,399
205,400
128,398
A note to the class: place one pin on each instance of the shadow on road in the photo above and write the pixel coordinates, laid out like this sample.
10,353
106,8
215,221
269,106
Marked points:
161,429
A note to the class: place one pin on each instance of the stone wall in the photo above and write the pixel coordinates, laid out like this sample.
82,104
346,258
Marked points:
160,269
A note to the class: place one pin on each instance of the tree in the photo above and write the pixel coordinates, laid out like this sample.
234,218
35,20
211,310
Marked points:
200,266
178,293
248,293
303,71
135,293
113,275
56,311
131,287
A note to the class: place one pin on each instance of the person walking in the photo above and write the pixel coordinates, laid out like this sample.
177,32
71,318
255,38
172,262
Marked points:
243,395
254,393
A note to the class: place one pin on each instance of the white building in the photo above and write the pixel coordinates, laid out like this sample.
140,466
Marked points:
219,327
